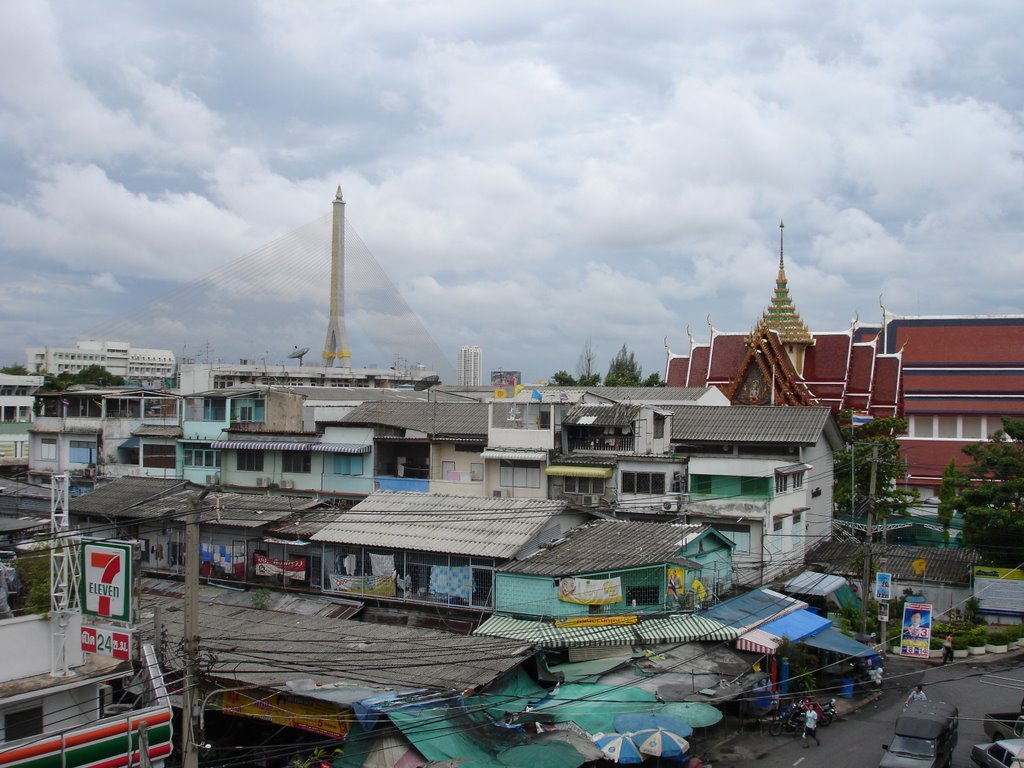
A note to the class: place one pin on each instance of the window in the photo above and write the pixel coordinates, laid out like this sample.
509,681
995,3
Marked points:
519,474
798,524
700,484
22,724
798,480
971,427
202,457
248,409
659,427
781,483
737,534
159,456
584,485
643,595
214,409
82,452
447,468
476,472
777,536
348,464
48,449
298,462
754,486
644,482
946,426
923,426
249,461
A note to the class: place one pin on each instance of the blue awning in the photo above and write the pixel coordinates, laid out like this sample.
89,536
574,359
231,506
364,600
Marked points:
797,625
131,442
752,608
832,639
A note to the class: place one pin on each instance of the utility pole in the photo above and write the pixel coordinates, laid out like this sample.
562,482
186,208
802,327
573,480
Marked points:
189,749
868,534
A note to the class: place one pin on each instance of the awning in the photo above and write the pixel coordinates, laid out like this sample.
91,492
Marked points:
257,445
792,469
546,634
513,455
684,628
793,626
813,583
567,470
832,639
758,641
131,442
340,448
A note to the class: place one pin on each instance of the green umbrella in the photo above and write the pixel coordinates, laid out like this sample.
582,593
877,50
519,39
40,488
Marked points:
694,714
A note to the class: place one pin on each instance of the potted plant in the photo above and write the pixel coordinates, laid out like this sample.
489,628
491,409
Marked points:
959,646
935,646
996,641
976,641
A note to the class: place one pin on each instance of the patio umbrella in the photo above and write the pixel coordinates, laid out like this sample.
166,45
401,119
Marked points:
658,742
643,721
695,714
619,747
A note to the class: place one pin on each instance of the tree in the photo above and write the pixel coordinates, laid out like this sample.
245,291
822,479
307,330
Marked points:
585,365
624,370
98,375
953,481
654,380
15,369
891,500
992,503
562,379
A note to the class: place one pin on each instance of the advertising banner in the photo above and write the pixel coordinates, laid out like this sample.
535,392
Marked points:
322,718
999,590
364,585
917,630
590,591
107,641
268,566
622,620
883,586
105,583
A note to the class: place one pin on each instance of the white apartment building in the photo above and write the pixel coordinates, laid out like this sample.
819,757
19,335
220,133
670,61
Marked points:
470,366
135,365
16,400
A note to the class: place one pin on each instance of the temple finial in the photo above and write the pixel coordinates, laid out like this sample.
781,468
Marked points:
782,264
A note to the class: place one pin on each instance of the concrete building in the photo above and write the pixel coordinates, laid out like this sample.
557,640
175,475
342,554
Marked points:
147,367
201,377
16,399
470,366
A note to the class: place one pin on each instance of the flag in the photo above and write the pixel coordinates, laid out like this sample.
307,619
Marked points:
699,588
518,389
536,395
563,396
500,393
860,418
919,565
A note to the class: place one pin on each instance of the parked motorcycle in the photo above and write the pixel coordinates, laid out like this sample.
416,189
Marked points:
828,713
789,719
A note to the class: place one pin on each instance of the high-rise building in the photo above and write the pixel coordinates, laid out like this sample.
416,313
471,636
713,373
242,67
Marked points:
136,365
471,366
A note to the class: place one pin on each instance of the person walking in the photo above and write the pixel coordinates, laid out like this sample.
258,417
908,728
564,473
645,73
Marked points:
810,727
947,648
916,695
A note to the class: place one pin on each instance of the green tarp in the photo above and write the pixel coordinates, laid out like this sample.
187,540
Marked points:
593,707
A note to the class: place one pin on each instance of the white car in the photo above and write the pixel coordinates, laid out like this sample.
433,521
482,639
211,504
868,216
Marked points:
1008,753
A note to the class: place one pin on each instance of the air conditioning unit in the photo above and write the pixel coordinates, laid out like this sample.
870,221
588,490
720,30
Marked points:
589,501
213,479
105,697
500,494
262,482
668,506
287,483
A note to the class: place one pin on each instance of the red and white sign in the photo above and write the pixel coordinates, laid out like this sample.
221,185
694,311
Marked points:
268,566
106,580
105,641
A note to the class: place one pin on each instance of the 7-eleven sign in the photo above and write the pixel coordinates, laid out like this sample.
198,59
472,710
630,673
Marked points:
106,583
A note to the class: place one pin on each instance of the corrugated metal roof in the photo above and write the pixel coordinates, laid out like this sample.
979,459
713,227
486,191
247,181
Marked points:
681,628
117,497
464,525
455,418
944,565
157,430
235,510
602,415
514,454
263,647
607,545
748,424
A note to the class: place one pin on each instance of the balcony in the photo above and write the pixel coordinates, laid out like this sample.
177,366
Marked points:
603,444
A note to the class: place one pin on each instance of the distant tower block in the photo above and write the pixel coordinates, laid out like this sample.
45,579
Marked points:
336,346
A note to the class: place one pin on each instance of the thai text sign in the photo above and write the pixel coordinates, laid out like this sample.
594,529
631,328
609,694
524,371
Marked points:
999,590
624,620
268,566
590,591
321,718
917,630
105,585
364,585
107,641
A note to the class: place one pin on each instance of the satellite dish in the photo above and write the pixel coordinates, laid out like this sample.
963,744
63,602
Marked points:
298,354
427,382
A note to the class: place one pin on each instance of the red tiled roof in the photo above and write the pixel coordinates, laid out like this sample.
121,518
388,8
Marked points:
965,340
977,380
1000,406
827,359
927,458
885,390
728,351
862,364
678,370
699,367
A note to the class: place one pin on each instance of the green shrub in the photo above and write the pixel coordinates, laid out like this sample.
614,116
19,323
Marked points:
1013,632
997,636
936,642
977,637
960,642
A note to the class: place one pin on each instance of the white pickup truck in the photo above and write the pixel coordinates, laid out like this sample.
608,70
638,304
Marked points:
1008,753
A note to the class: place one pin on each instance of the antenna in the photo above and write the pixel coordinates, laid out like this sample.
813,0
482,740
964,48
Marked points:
427,382
298,353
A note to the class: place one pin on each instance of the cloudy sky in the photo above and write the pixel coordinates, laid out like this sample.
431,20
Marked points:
528,175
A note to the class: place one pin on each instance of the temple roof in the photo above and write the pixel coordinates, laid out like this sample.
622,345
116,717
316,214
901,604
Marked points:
781,316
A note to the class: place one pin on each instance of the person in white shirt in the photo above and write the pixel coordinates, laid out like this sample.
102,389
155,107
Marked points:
916,695
810,727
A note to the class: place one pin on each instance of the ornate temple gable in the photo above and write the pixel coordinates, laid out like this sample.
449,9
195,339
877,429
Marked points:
766,375
781,316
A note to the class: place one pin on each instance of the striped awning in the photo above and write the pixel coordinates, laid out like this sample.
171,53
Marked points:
340,448
685,628
568,470
758,641
544,633
513,455
259,445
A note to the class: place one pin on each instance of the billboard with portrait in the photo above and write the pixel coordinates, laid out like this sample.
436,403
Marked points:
917,630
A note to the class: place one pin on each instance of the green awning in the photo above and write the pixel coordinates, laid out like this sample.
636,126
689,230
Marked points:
568,470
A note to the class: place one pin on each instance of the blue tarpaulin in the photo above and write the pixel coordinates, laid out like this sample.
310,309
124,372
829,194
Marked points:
796,625
753,608
832,639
